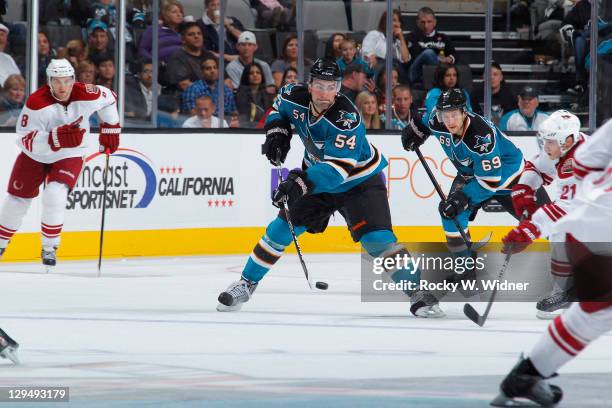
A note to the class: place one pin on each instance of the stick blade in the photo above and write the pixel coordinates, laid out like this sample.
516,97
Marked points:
473,315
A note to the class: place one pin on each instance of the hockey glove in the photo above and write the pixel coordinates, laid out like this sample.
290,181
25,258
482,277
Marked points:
109,137
293,188
415,133
456,203
278,141
520,237
70,135
523,200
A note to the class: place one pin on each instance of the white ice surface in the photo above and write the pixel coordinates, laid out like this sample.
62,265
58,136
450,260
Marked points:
146,333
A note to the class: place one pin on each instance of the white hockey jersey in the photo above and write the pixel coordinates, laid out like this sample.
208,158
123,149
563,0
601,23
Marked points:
542,171
42,113
591,212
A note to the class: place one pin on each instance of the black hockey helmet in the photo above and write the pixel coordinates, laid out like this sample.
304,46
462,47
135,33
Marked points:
325,69
451,99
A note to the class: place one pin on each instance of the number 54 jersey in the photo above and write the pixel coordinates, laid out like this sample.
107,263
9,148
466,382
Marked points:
483,155
337,154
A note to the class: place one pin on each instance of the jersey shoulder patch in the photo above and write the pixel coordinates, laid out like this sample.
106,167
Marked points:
343,114
480,136
40,99
296,93
84,92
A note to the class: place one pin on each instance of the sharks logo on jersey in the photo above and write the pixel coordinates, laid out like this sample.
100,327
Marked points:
347,118
483,143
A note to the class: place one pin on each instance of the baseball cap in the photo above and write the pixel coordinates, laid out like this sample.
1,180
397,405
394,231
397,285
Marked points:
528,92
247,37
4,28
354,68
95,25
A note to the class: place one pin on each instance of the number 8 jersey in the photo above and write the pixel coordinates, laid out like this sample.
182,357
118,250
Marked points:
542,170
337,154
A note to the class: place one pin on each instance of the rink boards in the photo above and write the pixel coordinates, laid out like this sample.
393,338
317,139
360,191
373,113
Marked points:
203,193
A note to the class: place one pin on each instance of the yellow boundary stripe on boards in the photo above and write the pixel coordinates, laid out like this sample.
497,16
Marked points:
209,241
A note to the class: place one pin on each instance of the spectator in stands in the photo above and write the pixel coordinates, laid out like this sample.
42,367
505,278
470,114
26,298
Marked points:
502,98
381,87
353,81
75,51
86,72
349,56
402,102
106,72
168,115
208,86
12,99
445,77
427,45
209,24
333,49
171,14
252,98
139,92
98,41
527,116
290,76
105,11
184,82
374,46
247,45
278,14
45,53
204,117
7,63
288,59
548,17
186,62
367,105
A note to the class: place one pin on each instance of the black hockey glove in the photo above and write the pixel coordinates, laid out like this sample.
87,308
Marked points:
455,204
415,133
278,141
293,188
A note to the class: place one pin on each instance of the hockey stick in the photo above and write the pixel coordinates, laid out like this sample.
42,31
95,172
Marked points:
469,310
107,153
287,215
467,241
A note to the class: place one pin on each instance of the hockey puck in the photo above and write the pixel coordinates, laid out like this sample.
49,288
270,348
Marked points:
321,285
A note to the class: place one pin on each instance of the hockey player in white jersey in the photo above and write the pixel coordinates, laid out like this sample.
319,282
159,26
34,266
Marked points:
561,135
588,241
53,133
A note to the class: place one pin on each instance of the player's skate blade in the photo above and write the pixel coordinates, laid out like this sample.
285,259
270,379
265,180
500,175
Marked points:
424,304
48,258
525,387
553,305
236,295
8,347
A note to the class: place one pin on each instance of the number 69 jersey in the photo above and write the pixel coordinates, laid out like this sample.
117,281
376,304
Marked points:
542,170
337,154
482,154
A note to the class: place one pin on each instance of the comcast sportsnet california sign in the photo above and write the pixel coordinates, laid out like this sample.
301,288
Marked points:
135,181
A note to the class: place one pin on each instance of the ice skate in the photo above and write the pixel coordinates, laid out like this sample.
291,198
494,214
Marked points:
235,295
424,304
8,347
48,258
525,383
552,305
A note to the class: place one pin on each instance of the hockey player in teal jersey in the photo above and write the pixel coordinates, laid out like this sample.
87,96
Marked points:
488,164
340,172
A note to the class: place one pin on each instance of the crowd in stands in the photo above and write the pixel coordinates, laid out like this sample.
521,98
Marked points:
188,55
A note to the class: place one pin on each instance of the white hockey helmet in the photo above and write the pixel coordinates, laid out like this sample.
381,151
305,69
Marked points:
559,126
59,68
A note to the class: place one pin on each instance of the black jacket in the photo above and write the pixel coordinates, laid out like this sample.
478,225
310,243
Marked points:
418,41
